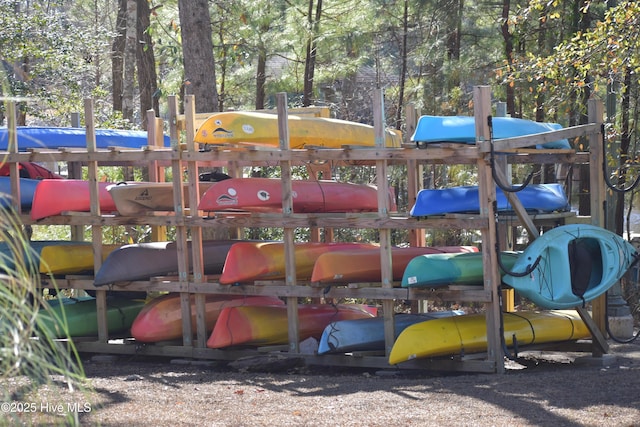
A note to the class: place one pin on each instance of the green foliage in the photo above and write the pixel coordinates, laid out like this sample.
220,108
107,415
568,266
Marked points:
28,349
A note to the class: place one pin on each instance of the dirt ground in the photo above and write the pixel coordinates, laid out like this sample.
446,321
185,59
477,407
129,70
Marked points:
538,389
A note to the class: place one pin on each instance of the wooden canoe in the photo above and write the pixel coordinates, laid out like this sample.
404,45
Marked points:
161,318
77,317
347,336
268,325
363,265
250,261
460,335
253,128
462,129
135,198
54,196
575,263
265,195
142,261
433,270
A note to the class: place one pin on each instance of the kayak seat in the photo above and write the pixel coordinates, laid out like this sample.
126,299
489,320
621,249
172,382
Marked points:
584,259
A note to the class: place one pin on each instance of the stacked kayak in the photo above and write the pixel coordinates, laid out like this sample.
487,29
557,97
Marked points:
265,195
433,270
161,318
460,335
535,198
462,129
268,325
250,261
77,317
54,196
247,128
142,261
345,336
363,265
66,137
53,257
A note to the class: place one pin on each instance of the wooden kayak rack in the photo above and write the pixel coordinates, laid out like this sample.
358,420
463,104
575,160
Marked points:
187,156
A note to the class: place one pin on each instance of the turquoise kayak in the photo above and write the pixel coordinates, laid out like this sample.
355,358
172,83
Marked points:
462,129
433,270
535,198
574,264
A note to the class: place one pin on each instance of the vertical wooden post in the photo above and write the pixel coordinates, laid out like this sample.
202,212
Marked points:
386,268
181,232
487,194
96,230
196,232
287,210
156,172
598,197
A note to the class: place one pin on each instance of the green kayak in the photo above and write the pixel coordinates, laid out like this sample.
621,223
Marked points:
433,270
81,317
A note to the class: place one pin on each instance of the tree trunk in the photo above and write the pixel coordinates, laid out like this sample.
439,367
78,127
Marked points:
147,76
261,78
508,53
129,61
403,68
117,55
197,54
310,63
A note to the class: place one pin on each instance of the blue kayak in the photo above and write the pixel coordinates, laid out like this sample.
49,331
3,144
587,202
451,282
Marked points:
27,188
57,137
537,198
462,129
574,264
344,336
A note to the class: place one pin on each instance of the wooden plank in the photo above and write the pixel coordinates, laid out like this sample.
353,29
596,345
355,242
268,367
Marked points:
196,232
287,210
181,231
543,138
598,199
487,194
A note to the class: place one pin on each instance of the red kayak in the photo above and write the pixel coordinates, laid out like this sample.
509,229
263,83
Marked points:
250,261
268,325
54,196
265,195
161,318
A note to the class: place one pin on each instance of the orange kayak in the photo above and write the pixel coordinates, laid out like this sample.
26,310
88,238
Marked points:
268,325
363,265
249,261
161,318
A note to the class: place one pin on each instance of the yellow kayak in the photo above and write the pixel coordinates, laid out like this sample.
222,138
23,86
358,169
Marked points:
468,334
252,128
71,258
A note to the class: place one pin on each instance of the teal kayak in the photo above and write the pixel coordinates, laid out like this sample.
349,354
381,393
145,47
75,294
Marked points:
573,263
433,270
81,316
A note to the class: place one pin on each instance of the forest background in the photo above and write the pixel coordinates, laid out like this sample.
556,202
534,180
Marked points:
542,59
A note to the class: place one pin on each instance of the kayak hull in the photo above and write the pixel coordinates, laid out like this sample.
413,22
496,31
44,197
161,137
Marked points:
460,335
577,263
